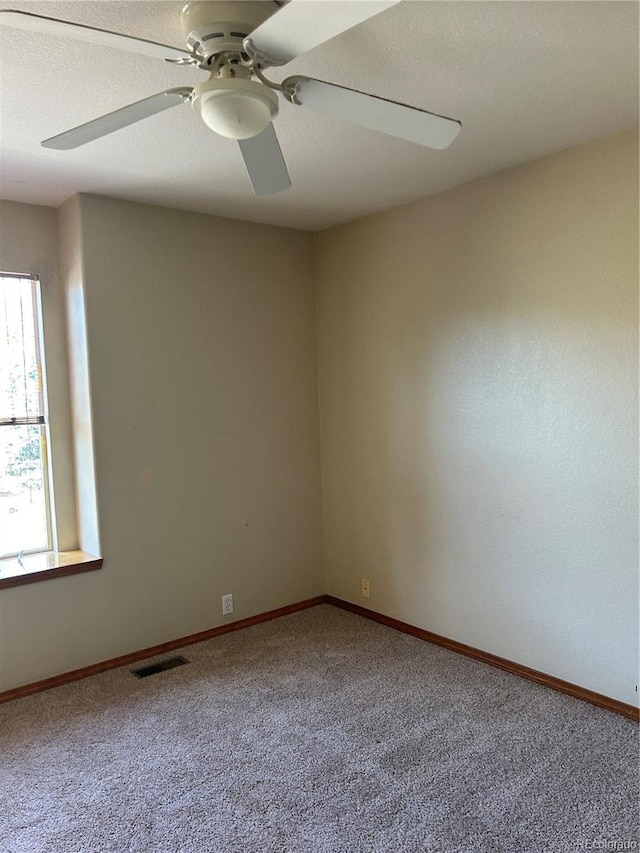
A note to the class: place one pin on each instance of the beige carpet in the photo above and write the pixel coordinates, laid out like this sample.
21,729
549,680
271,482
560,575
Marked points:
316,732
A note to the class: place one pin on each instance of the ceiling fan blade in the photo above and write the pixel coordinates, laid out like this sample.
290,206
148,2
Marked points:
265,163
104,38
388,117
118,118
304,24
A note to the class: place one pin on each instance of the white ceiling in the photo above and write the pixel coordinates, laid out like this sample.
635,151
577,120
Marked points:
526,79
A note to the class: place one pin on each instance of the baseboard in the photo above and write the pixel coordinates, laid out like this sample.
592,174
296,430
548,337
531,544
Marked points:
551,681
152,651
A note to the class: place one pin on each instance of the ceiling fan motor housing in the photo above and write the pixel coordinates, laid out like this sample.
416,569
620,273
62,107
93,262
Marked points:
213,26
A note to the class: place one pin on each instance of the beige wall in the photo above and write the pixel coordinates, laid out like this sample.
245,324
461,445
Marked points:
202,369
478,387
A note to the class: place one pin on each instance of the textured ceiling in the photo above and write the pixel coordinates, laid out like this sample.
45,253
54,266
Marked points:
526,79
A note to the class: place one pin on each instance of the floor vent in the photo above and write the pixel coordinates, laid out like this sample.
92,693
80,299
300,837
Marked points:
169,663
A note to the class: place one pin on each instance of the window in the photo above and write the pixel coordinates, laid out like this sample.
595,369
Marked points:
25,495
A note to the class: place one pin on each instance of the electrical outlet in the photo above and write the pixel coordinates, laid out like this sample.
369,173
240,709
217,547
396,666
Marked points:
365,588
227,604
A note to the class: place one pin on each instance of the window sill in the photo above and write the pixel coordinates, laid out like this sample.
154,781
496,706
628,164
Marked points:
44,567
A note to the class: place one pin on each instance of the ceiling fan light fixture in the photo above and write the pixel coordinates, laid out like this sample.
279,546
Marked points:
235,108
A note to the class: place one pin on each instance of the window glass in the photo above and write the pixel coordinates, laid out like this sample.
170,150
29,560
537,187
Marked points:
24,484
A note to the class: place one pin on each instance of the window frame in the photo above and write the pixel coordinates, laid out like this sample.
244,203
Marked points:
41,420
44,241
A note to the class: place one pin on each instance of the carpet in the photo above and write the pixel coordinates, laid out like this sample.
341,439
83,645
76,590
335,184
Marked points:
321,732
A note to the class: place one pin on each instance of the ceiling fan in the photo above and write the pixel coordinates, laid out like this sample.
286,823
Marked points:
235,43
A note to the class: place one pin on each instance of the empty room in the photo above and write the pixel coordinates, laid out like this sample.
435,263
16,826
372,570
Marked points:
319,426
